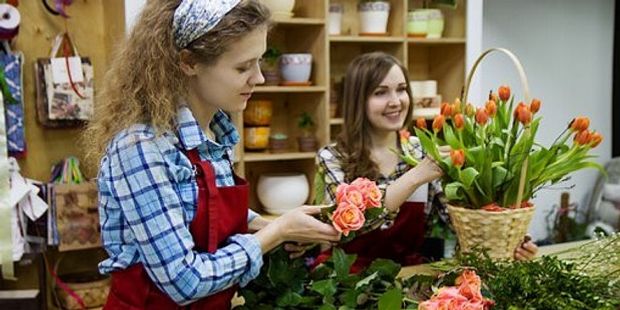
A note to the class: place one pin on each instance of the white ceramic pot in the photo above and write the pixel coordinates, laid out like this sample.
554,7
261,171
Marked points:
435,24
281,192
283,8
373,17
335,18
296,67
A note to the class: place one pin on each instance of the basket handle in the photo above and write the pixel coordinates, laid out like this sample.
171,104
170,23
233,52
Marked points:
526,93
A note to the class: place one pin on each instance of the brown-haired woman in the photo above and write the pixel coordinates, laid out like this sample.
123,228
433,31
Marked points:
174,217
377,104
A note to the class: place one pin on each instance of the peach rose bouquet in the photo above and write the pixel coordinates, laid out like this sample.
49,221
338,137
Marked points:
357,205
465,295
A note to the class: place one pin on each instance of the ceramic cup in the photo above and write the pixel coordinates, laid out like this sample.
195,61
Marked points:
335,18
296,67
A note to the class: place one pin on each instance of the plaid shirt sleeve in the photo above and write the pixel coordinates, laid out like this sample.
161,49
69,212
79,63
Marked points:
141,184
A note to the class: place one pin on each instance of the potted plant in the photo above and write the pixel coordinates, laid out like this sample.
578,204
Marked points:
496,167
307,141
373,16
278,143
269,66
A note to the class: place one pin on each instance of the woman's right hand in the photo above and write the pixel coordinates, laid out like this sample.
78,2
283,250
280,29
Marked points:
299,225
427,171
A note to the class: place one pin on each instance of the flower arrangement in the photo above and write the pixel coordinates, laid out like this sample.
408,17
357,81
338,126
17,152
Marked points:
494,156
466,295
357,205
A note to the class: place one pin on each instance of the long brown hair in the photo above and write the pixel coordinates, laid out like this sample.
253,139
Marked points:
145,83
364,75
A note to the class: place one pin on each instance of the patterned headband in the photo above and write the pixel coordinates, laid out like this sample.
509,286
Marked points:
194,18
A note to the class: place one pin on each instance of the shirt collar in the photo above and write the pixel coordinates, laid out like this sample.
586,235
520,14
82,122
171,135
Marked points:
191,135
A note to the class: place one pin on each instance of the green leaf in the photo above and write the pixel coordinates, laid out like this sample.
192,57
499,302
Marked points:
499,176
385,268
391,299
451,139
373,213
452,191
342,262
325,287
429,146
327,307
468,176
288,299
366,280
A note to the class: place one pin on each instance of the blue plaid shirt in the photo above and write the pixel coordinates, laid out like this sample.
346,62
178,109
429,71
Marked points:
148,198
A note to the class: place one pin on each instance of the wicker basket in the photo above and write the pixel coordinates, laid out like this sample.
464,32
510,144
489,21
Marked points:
91,287
497,232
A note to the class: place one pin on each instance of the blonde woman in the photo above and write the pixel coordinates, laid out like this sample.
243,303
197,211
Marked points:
174,216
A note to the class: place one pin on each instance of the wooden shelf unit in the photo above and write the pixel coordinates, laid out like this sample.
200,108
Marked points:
438,59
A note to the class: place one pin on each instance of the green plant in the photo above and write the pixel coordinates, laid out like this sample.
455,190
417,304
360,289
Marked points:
306,123
271,55
279,136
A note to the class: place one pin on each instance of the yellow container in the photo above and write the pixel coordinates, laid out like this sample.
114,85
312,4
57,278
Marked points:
256,138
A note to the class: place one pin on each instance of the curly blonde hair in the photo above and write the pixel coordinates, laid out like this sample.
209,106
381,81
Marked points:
145,82
363,76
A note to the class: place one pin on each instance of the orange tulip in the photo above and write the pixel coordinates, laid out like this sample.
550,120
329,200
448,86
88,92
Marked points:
583,137
446,109
491,108
595,139
438,123
420,123
535,106
481,116
493,96
404,134
523,114
457,157
504,92
459,121
579,123
456,106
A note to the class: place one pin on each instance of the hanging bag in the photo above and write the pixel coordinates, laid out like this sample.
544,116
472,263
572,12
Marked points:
11,81
64,86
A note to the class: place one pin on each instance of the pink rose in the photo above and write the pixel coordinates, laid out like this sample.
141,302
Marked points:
350,194
371,192
347,217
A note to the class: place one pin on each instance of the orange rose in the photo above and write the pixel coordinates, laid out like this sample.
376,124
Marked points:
579,123
491,108
459,121
370,191
347,218
469,284
438,122
595,139
350,194
481,116
535,106
504,92
458,157
420,123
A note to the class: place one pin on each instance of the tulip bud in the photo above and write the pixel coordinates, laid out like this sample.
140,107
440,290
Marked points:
404,134
456,109
420,123
583,137
579,123
446,109
535,106
457,157
459,121
504,92
595,139
491,108
523,114
470,110
481,116
438,123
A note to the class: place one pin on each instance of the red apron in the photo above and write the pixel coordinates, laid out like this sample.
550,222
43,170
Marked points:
221,212
402,242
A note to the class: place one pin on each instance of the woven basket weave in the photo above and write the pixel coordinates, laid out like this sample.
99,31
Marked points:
497,232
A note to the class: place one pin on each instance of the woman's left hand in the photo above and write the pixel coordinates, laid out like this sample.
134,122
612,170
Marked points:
526,250
296,249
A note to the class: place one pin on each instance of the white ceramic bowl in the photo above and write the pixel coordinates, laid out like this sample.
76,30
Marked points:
281,192
296,67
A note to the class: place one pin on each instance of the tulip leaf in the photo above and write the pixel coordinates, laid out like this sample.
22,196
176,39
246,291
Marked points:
452,191
468,176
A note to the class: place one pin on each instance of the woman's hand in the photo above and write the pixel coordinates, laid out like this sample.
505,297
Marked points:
297,249
526,250
299,226
427,170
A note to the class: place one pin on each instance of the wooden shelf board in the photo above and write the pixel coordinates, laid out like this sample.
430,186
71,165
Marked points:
298,21
255,156
439,41
289,89
336,121
366,39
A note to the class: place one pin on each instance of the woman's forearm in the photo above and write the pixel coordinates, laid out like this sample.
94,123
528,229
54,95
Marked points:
398,192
